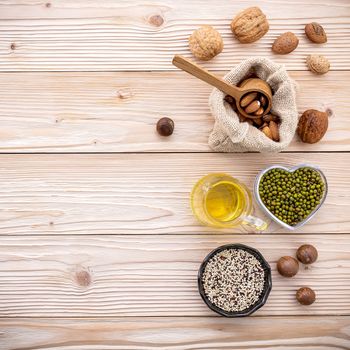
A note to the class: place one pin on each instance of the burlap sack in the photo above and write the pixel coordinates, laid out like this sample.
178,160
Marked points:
229,135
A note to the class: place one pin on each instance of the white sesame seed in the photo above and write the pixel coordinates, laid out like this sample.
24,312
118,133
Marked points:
233,280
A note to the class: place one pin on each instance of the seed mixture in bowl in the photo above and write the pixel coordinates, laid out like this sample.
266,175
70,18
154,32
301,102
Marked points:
233,280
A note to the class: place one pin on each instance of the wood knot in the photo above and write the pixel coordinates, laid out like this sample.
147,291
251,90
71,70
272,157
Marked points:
329,112
13,46
156,20
83,278
124,94
48,4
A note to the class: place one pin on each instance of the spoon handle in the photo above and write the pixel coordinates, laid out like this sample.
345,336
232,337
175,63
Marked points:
202,74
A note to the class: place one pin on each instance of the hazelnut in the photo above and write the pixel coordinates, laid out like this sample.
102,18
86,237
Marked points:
287,266
307,254
165,126
305,296
205,43
318,64
312,126
250,25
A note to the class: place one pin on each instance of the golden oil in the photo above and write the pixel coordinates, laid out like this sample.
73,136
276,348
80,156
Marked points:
225,201
220,200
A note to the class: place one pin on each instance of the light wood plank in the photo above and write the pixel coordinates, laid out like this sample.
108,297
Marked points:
81,276
142,193
178,333
116,112
139,35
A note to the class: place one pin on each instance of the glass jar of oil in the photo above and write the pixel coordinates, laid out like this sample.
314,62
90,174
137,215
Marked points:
219,200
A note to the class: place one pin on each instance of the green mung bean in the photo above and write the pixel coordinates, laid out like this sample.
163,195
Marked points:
291,197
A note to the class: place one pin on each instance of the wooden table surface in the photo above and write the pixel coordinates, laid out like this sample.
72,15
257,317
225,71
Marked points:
98,246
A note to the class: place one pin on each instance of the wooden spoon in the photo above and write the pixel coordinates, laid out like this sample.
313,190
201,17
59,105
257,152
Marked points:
255,85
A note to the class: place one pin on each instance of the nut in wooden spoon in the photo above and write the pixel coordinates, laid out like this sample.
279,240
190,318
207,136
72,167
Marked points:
253,100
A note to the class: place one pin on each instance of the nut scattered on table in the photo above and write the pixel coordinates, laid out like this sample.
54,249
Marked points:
250,25
285,43
165,126
315,32
287,266
312,126
307,254
205,43
318,64
305,296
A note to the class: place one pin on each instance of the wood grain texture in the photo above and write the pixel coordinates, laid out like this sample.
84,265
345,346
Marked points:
98,276
142,35
117,112
176,333
142,193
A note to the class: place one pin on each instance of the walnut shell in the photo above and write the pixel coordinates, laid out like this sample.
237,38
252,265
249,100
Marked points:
315,32
205,43
312,126
317,64
250,25
285,43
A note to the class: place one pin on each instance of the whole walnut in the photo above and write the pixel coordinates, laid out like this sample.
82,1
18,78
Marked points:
205,43
250,25
312,125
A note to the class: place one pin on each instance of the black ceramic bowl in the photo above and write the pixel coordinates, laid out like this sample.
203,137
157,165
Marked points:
264,295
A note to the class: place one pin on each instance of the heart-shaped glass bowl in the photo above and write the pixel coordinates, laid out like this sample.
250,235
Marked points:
267,285
290,170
